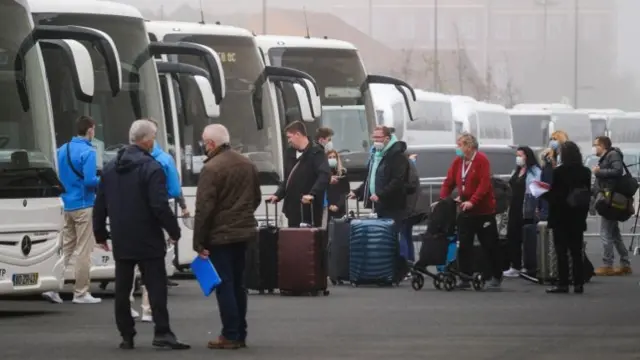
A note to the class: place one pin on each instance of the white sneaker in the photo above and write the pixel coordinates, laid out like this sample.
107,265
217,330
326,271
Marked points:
146,317
52,297
86,299
512,273
134,314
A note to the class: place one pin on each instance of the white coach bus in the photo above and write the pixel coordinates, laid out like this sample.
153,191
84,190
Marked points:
343,82
30,206
248,108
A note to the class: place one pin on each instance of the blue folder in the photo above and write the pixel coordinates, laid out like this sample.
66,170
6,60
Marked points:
206,275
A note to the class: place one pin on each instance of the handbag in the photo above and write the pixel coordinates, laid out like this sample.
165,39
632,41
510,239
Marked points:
579,198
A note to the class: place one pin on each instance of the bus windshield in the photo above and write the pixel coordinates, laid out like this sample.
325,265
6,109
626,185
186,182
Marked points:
530,130
140,96
349,124
625,130
598,127
23,133
494,125
576,125
339,74
242,66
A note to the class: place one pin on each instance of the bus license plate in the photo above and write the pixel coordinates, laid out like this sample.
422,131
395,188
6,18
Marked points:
25,279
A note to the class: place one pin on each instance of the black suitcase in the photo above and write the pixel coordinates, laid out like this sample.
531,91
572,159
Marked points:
261,271
338,260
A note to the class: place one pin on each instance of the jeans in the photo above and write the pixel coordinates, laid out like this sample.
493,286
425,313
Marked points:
406,242
611,237
229,261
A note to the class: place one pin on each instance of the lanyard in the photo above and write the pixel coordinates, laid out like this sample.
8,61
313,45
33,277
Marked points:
465,169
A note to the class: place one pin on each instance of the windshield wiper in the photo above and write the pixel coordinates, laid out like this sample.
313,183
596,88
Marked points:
48,175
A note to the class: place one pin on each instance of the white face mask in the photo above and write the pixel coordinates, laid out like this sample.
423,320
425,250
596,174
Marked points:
328,146
378,145
594,150
519,161
333,163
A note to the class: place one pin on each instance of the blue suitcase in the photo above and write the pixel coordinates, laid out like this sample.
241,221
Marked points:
373,252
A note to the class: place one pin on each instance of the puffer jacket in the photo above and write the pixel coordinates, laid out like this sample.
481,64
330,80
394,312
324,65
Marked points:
611,169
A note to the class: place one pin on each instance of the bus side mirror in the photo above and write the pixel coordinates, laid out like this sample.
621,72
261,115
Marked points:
211,108
314,98
80,60
303,103
408,94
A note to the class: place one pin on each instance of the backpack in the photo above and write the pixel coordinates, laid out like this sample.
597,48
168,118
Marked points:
413,179
502,194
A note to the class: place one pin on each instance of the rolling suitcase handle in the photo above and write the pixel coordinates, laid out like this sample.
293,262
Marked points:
302,223
275,217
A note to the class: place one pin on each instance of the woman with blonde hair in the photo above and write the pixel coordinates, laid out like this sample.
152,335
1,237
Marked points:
551,158
338,186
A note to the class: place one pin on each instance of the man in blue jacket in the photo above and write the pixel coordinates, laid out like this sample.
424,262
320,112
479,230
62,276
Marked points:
78,174
174,190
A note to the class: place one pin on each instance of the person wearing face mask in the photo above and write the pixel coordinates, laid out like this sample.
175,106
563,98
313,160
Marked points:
550,159
470,174
385,190
323,138
522,209
306,179
608,172
338,189
133,195
78,174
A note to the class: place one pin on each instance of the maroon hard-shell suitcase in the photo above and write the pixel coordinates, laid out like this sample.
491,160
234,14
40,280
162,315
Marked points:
302,263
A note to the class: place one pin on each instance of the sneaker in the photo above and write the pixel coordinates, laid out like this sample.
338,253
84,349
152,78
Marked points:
86,299
512,273
134,314
605,271
623,270
146,317
52,297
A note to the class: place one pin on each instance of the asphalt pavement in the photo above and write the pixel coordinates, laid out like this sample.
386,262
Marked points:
518,322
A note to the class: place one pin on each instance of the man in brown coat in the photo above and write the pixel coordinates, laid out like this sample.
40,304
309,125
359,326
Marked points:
227,197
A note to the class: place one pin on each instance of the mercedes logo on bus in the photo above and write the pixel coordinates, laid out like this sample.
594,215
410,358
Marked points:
25,245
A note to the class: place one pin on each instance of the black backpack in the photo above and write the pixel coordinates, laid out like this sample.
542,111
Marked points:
502,194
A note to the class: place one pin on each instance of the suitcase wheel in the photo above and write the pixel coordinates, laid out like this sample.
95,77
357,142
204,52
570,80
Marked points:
438,280
325,292
449,282
478,282
417,282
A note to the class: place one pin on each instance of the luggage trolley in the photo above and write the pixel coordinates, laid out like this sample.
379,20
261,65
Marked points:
441,251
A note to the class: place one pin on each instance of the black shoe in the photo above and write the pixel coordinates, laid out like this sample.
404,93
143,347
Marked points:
558,290
169,341
578,289
127,344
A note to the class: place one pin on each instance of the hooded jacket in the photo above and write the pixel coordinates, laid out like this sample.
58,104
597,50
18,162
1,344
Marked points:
133,195
611,169
171,172
80,192
388,171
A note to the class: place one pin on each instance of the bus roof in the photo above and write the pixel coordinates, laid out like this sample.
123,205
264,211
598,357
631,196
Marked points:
529,112
84,7
552,106
273,41
162,28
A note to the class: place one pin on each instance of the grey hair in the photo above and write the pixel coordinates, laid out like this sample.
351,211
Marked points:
469,140
217,133
142,130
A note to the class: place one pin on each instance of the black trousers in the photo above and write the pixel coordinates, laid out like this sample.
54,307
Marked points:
485,227
154,277
569,241
519,231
